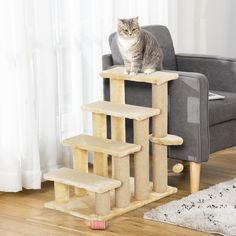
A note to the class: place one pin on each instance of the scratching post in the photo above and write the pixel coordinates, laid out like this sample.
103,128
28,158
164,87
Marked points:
122,173
102,203
100,164
62,192
117,94
141,160
80,163
159,129
160,100
160,165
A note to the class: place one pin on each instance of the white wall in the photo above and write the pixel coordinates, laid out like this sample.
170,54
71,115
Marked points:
203,26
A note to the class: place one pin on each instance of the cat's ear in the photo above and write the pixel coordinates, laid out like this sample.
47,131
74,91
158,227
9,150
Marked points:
136,19
120,21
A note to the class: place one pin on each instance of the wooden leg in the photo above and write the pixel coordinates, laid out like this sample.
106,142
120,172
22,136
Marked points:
122,173
195,170
141,160
100,163
62,192
102,203
80,163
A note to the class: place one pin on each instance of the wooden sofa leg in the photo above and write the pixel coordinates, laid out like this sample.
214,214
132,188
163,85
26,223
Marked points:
195,171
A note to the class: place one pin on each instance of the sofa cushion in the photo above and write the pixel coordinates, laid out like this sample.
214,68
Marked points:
164,38
222,110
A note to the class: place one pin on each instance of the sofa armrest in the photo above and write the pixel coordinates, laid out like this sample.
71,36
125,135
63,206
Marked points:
220,71
106,61
188,113
188,116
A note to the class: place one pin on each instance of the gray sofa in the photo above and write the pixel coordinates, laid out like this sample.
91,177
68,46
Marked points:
206,126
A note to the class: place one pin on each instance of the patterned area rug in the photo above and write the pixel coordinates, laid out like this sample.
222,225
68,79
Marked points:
212,210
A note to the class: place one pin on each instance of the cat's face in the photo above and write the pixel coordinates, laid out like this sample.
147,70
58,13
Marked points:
128,28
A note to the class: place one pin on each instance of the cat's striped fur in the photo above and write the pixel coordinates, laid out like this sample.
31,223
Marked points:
140,50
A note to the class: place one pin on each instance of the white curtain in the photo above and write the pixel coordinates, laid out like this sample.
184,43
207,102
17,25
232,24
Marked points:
50,57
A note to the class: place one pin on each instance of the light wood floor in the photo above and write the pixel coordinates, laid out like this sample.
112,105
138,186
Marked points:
23,213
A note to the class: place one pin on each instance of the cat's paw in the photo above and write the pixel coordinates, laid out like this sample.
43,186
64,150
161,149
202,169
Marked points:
149,71
133,73
126,72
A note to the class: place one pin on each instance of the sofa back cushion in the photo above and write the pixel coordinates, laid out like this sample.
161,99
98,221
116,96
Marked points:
164,38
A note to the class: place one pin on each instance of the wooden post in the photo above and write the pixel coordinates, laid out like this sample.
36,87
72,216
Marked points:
195,171
117,94
100,163
122,173
80,163
159,129
141,160
102,203
62,192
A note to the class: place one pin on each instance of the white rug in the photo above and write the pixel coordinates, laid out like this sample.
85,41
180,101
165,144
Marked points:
212,210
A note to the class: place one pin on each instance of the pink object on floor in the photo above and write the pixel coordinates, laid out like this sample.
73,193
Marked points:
98,224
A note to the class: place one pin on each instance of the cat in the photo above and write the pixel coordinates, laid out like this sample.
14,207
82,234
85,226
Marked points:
139,49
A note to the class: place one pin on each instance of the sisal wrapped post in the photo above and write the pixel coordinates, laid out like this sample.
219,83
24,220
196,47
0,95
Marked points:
102,203
62,192
80,163
100,163
141,160
117,94
159,129
122,173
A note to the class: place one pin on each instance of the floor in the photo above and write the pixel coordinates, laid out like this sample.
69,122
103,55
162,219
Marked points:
23,213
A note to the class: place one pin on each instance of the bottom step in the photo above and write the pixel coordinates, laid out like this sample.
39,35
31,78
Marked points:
83,207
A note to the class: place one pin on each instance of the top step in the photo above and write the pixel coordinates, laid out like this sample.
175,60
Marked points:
158,77
90,182
121,110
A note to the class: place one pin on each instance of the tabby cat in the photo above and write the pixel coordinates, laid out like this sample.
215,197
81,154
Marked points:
139,49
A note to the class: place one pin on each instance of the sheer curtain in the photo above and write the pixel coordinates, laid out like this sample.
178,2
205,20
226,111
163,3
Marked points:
50,56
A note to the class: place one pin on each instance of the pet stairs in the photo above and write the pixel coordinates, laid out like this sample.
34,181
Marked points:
121,193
